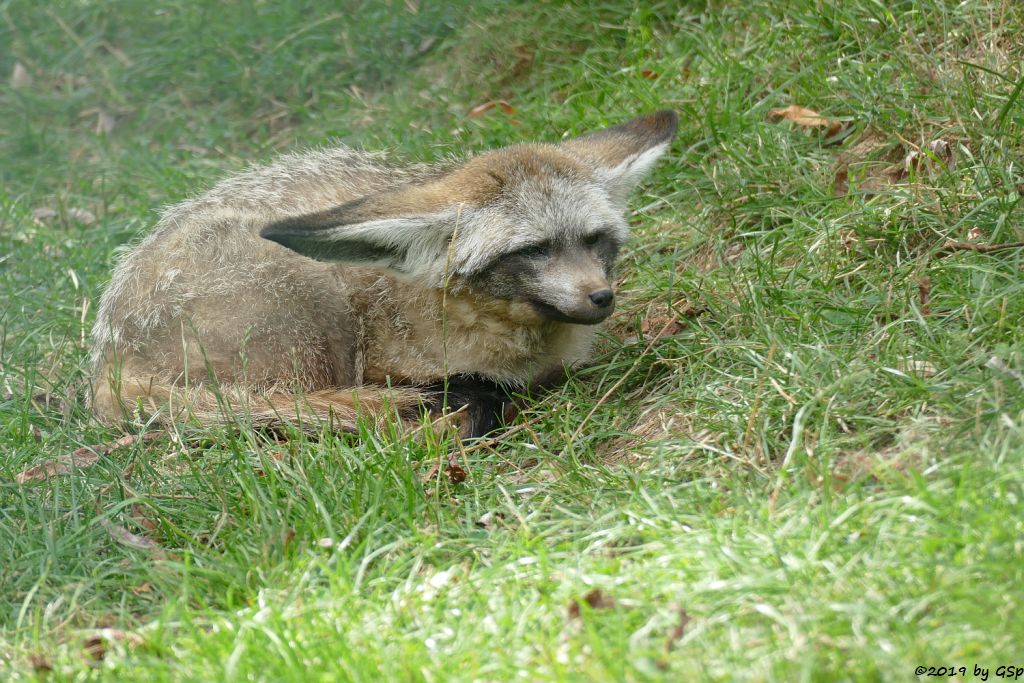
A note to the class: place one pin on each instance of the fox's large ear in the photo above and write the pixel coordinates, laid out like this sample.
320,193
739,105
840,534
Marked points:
622,155
405,231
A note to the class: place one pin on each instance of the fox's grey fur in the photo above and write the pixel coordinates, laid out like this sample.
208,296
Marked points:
302,289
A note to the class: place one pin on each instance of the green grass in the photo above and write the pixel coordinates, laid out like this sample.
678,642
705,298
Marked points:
822,466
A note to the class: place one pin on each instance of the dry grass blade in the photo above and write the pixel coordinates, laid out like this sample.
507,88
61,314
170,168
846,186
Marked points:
81,458
481,109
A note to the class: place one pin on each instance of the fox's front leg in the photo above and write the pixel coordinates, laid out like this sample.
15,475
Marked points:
484,404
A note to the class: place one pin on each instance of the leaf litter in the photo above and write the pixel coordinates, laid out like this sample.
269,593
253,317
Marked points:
98,643
881,160
131,540
595,599
81,458
877,160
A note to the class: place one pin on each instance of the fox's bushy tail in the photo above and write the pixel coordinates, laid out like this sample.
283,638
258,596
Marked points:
116,400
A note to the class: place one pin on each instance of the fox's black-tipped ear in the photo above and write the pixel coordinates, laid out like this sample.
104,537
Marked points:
622,155
403,232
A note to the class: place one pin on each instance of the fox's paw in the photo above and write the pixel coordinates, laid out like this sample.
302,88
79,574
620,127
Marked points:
476,406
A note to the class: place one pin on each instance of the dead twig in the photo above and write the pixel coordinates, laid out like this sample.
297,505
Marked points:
495,440
953,246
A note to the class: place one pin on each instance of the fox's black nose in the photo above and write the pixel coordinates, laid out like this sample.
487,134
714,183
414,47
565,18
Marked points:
602,297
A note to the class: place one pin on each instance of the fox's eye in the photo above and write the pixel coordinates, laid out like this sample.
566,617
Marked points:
592,239
534,250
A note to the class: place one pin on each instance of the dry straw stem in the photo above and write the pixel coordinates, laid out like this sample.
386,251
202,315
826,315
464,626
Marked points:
444,299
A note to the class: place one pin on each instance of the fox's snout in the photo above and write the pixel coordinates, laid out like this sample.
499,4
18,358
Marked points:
592,307
574,288
602,298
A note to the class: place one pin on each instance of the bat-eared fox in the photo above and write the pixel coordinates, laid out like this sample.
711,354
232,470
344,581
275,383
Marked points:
331,285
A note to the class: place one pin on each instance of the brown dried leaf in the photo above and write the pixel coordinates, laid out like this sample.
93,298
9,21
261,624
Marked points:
20,77
65,464
83,216
139,517
875,162
936,149
432,472
481,109
40,663
456,474
489,519
144,587
660,326
806,118
595,599
125,537
97,644
924,294
920,368
942,149
79,459
44,213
